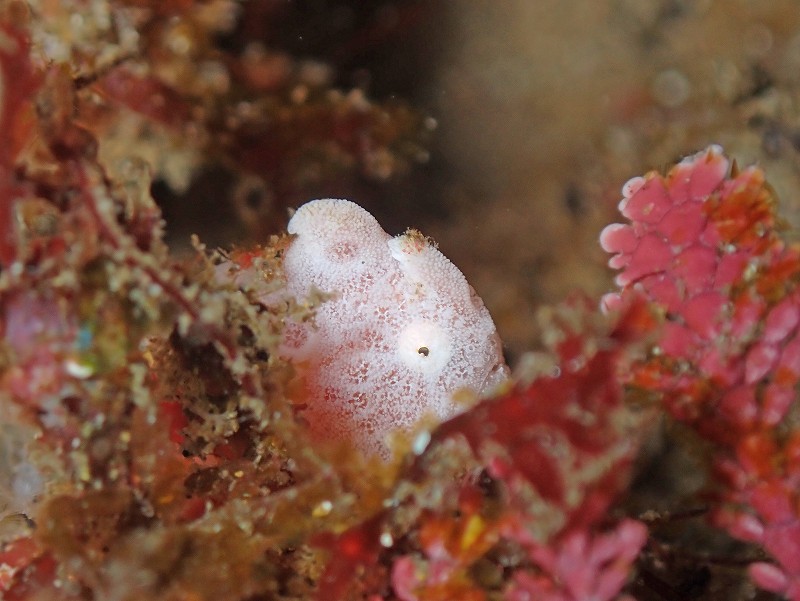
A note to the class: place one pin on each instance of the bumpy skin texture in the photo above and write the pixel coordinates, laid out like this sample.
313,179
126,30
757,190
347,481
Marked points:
402,333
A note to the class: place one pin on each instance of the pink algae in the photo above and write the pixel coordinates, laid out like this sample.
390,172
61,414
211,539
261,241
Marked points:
728,359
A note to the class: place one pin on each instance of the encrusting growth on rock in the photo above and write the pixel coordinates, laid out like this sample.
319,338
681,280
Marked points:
702,247
402,332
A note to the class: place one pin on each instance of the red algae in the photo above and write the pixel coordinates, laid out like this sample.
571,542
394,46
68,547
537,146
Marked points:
728,340
152,441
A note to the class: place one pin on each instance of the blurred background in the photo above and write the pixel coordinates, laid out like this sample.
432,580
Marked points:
528,116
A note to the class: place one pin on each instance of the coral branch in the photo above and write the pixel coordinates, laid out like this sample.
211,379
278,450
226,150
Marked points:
703,249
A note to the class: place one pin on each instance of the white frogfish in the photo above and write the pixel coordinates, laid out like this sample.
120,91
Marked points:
401,333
